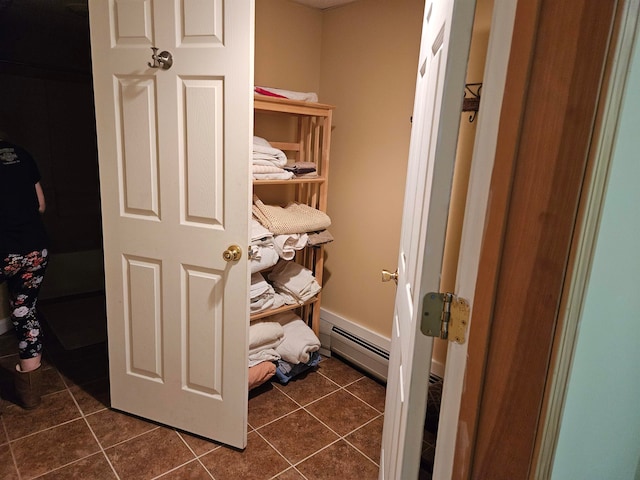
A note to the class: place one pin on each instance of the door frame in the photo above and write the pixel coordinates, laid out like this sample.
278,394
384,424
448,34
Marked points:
547,122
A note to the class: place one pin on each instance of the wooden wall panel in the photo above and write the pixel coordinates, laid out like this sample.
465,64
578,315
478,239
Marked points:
558,56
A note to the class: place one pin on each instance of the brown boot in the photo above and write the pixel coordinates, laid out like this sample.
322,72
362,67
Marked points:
28,387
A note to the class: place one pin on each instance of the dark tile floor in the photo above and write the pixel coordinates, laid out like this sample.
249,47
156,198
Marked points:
324,425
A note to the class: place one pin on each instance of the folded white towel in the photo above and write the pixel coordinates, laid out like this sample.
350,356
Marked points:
263,169
264,333
299,340
273,176
262,257
259,233
290,278
286,245
258,286
267,355
265,154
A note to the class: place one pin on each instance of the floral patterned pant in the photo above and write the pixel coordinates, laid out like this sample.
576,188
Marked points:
24,274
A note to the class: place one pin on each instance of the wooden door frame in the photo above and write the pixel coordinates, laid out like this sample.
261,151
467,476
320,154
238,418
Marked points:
554,80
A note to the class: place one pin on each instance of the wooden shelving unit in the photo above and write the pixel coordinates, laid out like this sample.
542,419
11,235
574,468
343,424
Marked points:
305,137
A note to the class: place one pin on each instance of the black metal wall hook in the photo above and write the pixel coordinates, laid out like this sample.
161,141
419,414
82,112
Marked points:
471,100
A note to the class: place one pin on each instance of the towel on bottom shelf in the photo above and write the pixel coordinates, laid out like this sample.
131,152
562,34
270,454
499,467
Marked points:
298,342
264,335
285,371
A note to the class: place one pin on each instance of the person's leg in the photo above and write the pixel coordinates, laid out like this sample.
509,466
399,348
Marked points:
24,286
25,275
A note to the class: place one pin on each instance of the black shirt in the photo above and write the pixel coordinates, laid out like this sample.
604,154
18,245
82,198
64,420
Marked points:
21,228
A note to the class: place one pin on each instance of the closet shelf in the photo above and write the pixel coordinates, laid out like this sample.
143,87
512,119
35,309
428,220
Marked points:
275,311
284,105
290,181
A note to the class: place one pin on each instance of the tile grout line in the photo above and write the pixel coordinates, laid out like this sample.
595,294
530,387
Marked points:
360,427
197,457
13,457
84,417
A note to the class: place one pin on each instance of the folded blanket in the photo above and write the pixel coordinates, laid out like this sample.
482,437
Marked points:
260,374
286,245
298,342
293,95
294,218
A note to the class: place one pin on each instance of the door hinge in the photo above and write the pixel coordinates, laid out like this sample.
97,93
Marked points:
446,316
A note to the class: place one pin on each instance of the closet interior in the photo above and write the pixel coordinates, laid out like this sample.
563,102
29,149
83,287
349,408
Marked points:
289,228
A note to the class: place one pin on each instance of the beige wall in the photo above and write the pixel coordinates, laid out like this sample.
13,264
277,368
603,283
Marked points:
287,47
362,58
369,59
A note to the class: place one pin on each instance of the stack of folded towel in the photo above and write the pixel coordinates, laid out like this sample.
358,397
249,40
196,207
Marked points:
268,162
293,282
266,249
262,250
263,338
281,345
298,349
262,295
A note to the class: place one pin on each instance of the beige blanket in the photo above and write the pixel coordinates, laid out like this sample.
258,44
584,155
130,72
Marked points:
294,218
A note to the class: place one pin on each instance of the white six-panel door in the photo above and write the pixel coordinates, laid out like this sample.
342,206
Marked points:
174,148
440,82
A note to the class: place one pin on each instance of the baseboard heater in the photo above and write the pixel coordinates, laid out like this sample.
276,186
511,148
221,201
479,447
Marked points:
356,350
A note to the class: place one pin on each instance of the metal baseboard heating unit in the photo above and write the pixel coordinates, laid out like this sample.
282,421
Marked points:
355,349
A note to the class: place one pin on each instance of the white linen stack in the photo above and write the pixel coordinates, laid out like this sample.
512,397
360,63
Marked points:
264,338
293,282
298,342
268,162
263,253
262,295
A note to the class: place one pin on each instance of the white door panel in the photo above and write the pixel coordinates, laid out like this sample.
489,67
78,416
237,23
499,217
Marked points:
439,90
175,194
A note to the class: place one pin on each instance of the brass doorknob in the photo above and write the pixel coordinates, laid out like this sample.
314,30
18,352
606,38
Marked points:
387,276
232,254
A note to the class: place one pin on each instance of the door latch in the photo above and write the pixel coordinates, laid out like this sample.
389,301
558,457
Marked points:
446,316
